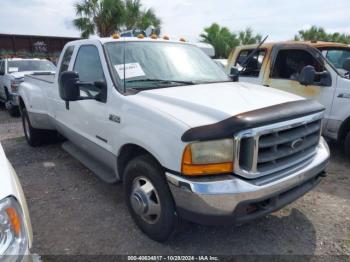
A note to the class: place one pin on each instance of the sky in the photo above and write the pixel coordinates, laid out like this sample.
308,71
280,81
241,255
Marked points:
279,19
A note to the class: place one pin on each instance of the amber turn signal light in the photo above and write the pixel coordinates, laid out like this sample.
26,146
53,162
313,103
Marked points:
190,169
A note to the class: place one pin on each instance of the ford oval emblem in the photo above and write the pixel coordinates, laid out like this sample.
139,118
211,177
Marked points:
297,143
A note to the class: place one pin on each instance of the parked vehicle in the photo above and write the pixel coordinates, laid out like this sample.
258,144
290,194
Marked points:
185,140
316,70
15,228
12,71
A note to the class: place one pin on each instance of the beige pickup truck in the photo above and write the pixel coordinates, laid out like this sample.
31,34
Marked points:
315,70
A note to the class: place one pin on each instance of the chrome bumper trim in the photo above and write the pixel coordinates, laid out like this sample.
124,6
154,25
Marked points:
219,196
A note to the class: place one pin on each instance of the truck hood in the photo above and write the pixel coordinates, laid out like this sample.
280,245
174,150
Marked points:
20,75
205,104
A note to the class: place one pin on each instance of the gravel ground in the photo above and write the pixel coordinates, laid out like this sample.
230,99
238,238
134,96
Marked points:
73,212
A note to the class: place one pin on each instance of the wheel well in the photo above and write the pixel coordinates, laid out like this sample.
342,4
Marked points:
127,153
344,129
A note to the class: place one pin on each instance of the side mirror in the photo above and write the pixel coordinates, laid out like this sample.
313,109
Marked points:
68,86
234,74
346,64
307,75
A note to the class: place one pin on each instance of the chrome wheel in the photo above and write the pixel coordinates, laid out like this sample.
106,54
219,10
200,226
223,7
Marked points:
144,200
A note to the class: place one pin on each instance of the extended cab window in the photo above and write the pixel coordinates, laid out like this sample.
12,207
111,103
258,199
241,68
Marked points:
66,59
88,64
253,66
289,63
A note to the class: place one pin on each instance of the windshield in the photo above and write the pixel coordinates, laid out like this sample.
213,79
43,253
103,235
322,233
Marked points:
158,65
336,57
30,65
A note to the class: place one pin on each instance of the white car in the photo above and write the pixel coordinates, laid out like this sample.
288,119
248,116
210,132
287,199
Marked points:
12,71
178,132
15,228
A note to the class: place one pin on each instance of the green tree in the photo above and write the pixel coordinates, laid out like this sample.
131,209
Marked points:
102,17
319,34
247,37
135,17
221,38
105,17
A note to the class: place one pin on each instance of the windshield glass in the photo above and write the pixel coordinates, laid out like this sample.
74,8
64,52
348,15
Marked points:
30,65
159,64
336,57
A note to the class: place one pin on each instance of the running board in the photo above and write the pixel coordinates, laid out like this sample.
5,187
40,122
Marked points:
103,172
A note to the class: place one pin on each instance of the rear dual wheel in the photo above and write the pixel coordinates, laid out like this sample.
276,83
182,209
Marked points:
35,136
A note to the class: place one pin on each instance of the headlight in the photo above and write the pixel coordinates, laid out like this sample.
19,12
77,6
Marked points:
205,158
13,237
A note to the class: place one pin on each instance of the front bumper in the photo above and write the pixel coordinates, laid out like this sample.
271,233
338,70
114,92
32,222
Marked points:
234,200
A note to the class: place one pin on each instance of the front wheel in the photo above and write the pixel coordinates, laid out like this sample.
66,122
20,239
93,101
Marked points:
149,199
347,145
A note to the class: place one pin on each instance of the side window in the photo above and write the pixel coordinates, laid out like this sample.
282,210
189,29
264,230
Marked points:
88,64
289,63
253,67
66,59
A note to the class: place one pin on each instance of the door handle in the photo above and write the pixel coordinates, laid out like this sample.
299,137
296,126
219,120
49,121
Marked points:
267,85
344,95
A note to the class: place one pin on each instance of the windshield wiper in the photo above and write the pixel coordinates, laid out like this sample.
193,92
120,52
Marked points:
162,81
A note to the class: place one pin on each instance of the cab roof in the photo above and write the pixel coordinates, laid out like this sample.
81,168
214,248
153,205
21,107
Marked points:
316,44
104,40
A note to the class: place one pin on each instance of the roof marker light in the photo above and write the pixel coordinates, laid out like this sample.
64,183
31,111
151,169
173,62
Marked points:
140,36
154,36
166,37
115,36
182,39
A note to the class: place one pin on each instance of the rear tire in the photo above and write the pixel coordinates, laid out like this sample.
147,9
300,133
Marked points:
13,110
34,136
148,198
347,145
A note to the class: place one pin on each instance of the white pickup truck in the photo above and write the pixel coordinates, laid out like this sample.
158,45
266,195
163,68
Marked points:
12,71
185,140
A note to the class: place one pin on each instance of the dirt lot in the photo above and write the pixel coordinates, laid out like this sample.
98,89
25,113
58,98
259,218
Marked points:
73,212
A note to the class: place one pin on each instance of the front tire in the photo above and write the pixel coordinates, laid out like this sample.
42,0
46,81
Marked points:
347,145
148,198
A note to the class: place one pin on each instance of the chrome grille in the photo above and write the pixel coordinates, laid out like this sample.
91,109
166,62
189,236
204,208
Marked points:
277,147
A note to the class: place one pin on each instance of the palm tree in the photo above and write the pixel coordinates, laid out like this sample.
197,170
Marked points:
315,33
135,17
147,19
220,38
102,17
247,37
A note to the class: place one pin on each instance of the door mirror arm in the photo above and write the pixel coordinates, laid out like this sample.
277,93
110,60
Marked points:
234,74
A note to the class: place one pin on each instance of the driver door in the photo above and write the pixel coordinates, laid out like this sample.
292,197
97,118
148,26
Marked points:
87,120
286,65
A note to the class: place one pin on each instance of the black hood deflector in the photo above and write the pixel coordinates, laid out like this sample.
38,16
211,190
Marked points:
264,116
